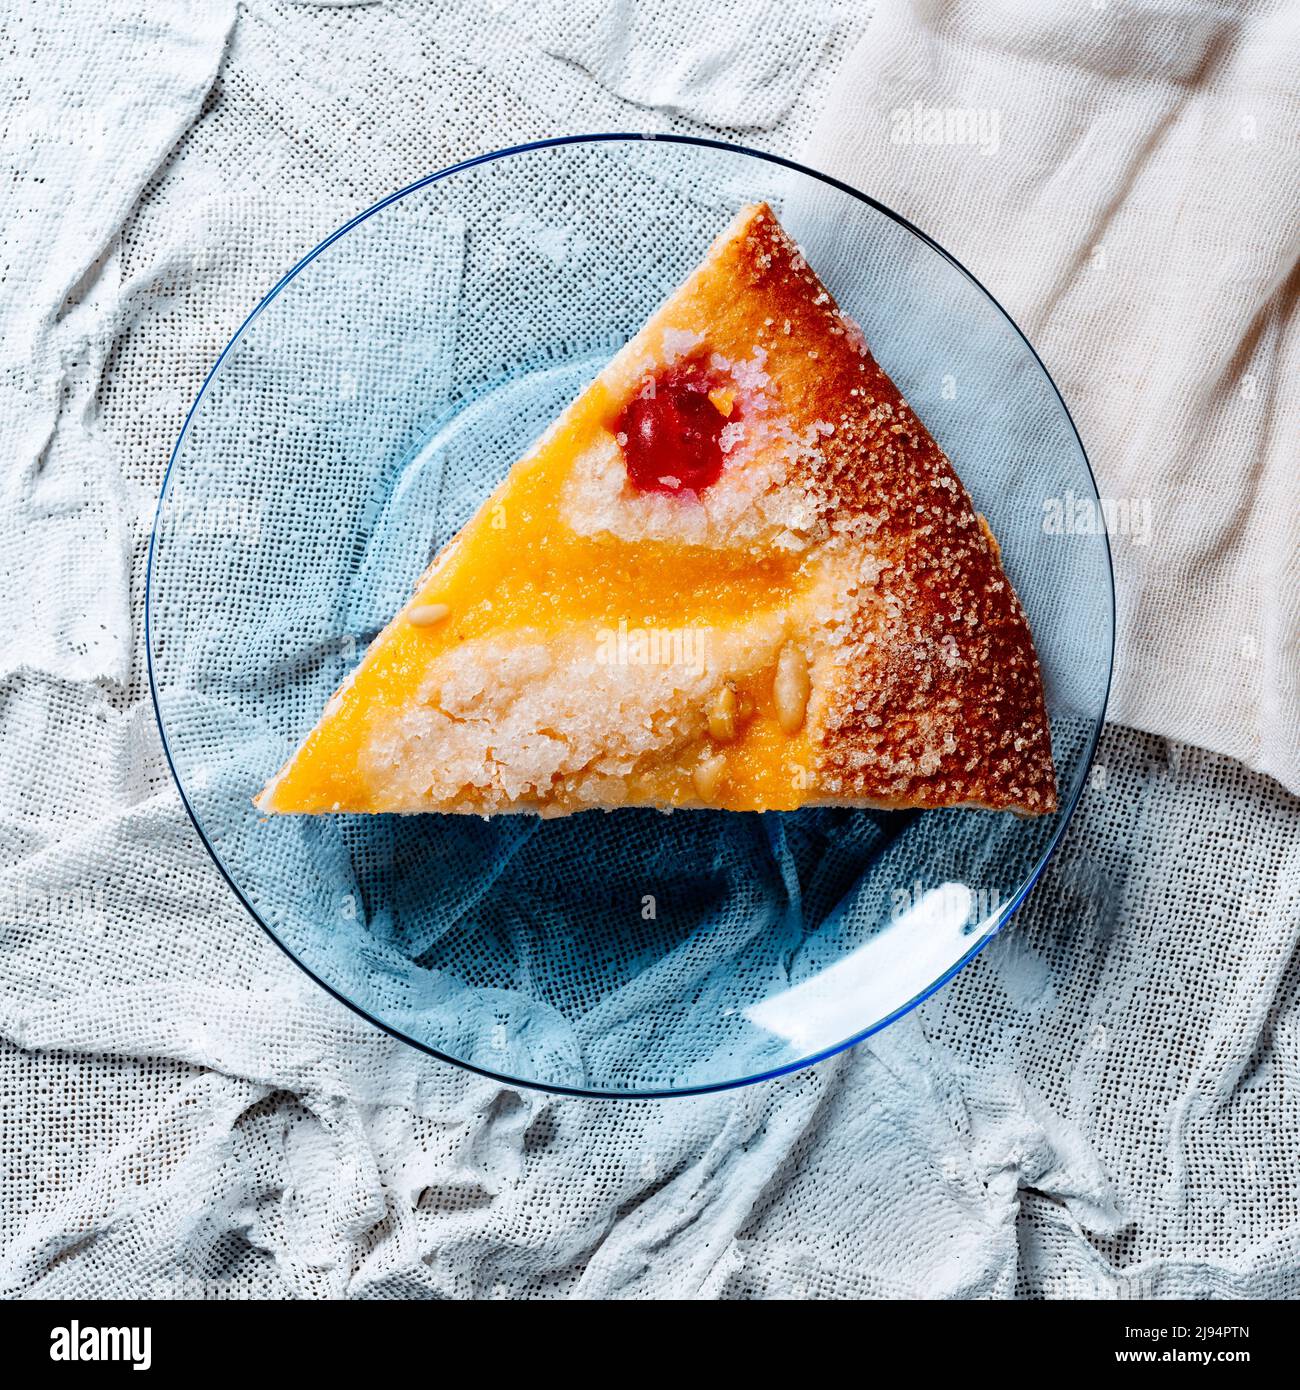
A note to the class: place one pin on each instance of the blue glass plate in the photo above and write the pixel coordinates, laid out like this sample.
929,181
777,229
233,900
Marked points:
353,425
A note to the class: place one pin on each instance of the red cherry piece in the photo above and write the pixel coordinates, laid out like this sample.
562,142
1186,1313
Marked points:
670,433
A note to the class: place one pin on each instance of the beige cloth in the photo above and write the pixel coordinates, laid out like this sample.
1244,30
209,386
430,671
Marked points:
1125,180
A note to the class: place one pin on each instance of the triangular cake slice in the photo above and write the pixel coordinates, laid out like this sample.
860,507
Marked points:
736,572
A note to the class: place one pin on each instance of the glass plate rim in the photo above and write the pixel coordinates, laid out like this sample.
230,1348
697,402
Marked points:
823,1054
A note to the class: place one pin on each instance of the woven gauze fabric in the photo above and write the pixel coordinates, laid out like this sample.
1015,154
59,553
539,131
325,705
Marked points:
1101,1105
1104,1103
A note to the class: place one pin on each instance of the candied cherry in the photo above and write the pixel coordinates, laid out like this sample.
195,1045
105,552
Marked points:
671,432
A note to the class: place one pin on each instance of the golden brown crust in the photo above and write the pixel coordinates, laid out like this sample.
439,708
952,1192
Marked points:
941,701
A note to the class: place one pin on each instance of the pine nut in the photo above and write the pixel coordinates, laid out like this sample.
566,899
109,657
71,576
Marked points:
427,614
790,688
708,775
722,715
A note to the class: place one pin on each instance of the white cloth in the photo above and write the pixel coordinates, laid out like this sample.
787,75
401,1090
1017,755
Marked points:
1125,179
1098,1106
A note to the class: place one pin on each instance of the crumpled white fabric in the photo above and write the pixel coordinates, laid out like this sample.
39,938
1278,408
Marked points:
1098,1106
1125,179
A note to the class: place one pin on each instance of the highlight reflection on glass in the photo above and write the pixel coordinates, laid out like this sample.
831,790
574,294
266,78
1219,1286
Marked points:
894,966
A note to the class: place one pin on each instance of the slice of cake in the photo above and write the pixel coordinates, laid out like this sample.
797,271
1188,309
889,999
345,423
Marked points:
736,572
